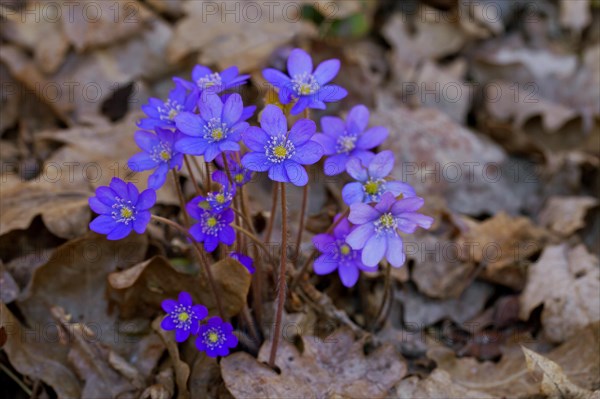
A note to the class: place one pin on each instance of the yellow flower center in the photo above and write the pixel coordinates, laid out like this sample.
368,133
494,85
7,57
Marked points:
239,178
387,220
220,198
183,316
372,187
213,337
211,222
280,151
345,249
217,134
164,155
305,89
173,113
126,213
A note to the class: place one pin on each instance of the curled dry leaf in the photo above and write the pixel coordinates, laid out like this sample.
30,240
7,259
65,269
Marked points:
332,367
566,281
502,244
244,42
566,215
141,288
509,377
554,384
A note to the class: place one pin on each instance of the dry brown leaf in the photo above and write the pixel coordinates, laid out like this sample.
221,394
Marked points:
103,23
182,370
421,311
502,244
64,211
334,367
439,272
509,377
437,385
9,290
246,37
575,15
143,287
38,358
566,281
566,215
441,158
554,384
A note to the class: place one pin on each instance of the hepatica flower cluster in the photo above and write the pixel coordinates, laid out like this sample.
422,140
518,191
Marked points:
203,123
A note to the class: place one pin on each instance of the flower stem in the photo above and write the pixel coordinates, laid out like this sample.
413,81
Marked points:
281,284
186,218
192,176
273,213
302,219
304,268
202,259
254,238
386,293
257,294
208,178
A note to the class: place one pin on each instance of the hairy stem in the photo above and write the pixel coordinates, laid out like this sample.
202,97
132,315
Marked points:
281,283
254,238
192,176
302,220
386,293
186,217
273,213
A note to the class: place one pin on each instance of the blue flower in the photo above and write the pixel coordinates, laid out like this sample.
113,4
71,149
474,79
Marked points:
309,88
158,153
278,151
162,113
239,174
121,208
204,78
337,254
378,226
247,261
344,140
218,128
182,316
215,201
371,181
213,226
216,337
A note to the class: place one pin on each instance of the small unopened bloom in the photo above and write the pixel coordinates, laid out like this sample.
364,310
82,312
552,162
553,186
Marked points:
182,316
278,151
378,227
372,180
309,88
342,141
122,208
246,261
216,338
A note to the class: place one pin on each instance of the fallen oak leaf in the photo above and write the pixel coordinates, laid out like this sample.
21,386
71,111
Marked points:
330,367
554,384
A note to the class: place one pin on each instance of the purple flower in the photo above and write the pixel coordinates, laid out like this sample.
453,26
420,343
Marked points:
337,254
158,153
280,153
218,128
308,87
377,228
345,140
182,316
203,78
239,174
213,226
121,208
161,113
215,201
216,338
371,181
247,261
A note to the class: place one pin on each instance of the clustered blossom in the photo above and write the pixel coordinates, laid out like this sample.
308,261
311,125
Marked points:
280,152
203,117
215,337
343,141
